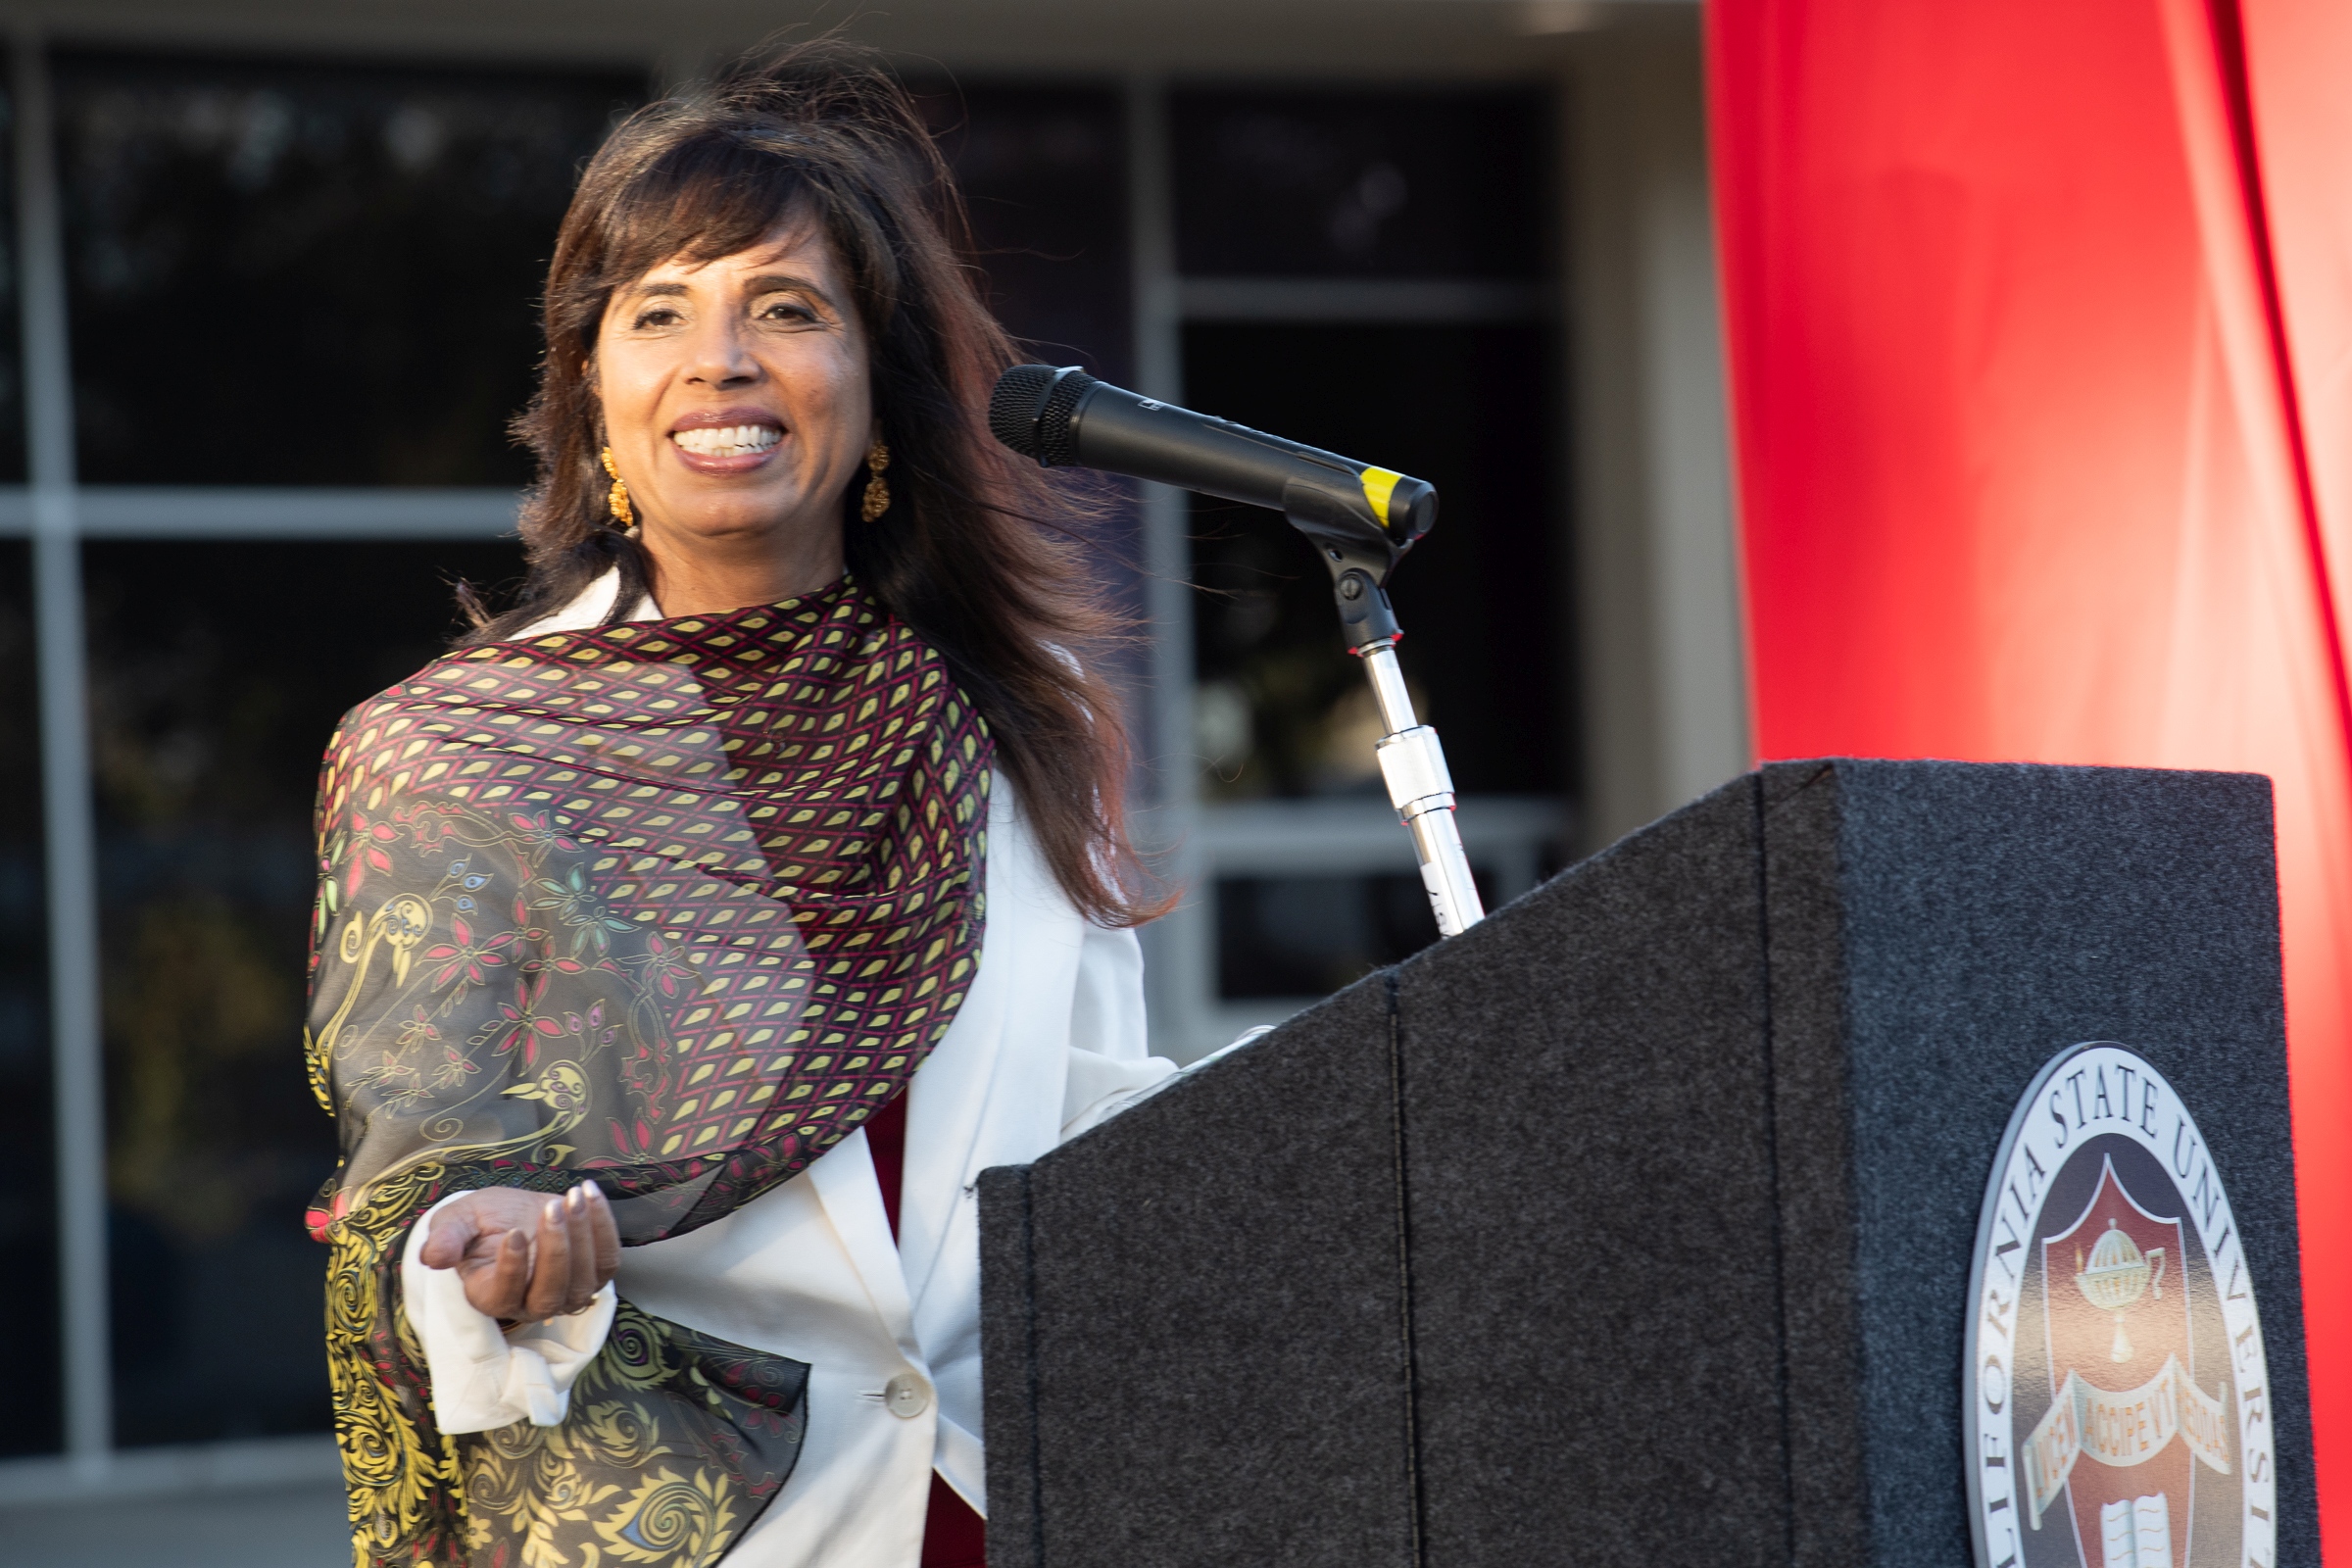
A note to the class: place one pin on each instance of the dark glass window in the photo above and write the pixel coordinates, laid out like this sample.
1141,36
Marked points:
307,273
1280,708
12,382
1044,178
1042,172
218,671
1309,936
1395,182
29,1319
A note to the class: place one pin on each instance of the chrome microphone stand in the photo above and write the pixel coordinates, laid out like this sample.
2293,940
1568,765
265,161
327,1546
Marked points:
1414,765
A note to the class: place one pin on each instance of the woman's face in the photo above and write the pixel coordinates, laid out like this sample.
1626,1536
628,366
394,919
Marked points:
736,398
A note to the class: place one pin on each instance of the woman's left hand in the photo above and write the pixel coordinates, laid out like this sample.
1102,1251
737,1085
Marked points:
526,1257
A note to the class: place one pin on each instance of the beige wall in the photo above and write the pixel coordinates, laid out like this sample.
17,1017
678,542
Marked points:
1662,672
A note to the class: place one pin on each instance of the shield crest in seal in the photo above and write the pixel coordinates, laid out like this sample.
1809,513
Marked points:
2116,1397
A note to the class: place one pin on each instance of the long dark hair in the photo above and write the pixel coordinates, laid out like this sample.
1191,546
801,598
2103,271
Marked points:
981,553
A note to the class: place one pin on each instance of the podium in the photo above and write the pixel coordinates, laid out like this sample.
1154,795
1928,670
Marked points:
1635,1225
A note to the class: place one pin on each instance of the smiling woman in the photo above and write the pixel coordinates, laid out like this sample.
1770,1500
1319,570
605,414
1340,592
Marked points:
799,225
640,912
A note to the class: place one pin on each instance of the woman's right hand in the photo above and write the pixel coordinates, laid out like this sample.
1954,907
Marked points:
525,1257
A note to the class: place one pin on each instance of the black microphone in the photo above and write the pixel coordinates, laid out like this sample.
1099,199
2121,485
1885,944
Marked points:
1361,517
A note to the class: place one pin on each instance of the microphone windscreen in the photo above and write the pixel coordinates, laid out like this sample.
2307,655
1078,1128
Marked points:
1030,411
1012,406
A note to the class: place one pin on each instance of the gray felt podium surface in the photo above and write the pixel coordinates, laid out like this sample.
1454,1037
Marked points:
1633,1225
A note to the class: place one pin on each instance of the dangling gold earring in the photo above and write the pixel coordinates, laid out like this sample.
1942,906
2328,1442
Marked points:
616,501
877,493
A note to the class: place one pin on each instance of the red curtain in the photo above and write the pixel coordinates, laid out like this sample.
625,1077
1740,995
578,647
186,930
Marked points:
2039,321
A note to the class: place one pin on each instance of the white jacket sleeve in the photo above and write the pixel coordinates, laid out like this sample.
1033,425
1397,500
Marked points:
1109,1065
483,1378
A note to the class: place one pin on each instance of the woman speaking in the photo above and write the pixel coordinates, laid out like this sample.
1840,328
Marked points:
690,939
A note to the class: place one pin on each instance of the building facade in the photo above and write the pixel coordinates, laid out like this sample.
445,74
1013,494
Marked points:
271,305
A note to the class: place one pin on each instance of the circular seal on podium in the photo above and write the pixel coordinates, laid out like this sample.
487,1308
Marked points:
2116,1406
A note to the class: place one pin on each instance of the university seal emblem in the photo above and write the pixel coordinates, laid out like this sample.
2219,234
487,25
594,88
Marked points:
2117,1405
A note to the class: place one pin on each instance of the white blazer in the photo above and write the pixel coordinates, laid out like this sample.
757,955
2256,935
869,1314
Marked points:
1048,1042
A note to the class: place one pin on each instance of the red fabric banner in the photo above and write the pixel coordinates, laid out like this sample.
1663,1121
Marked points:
2040,322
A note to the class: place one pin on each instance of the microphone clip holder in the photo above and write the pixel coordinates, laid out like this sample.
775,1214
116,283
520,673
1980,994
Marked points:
1412,762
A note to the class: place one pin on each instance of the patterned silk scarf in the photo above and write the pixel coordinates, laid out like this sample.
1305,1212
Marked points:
675,905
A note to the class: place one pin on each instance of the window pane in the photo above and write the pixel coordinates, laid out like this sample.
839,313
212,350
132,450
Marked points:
11,386
1309,936
311,274
218,671
1042,172
29,1323
1280,708
1390,184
